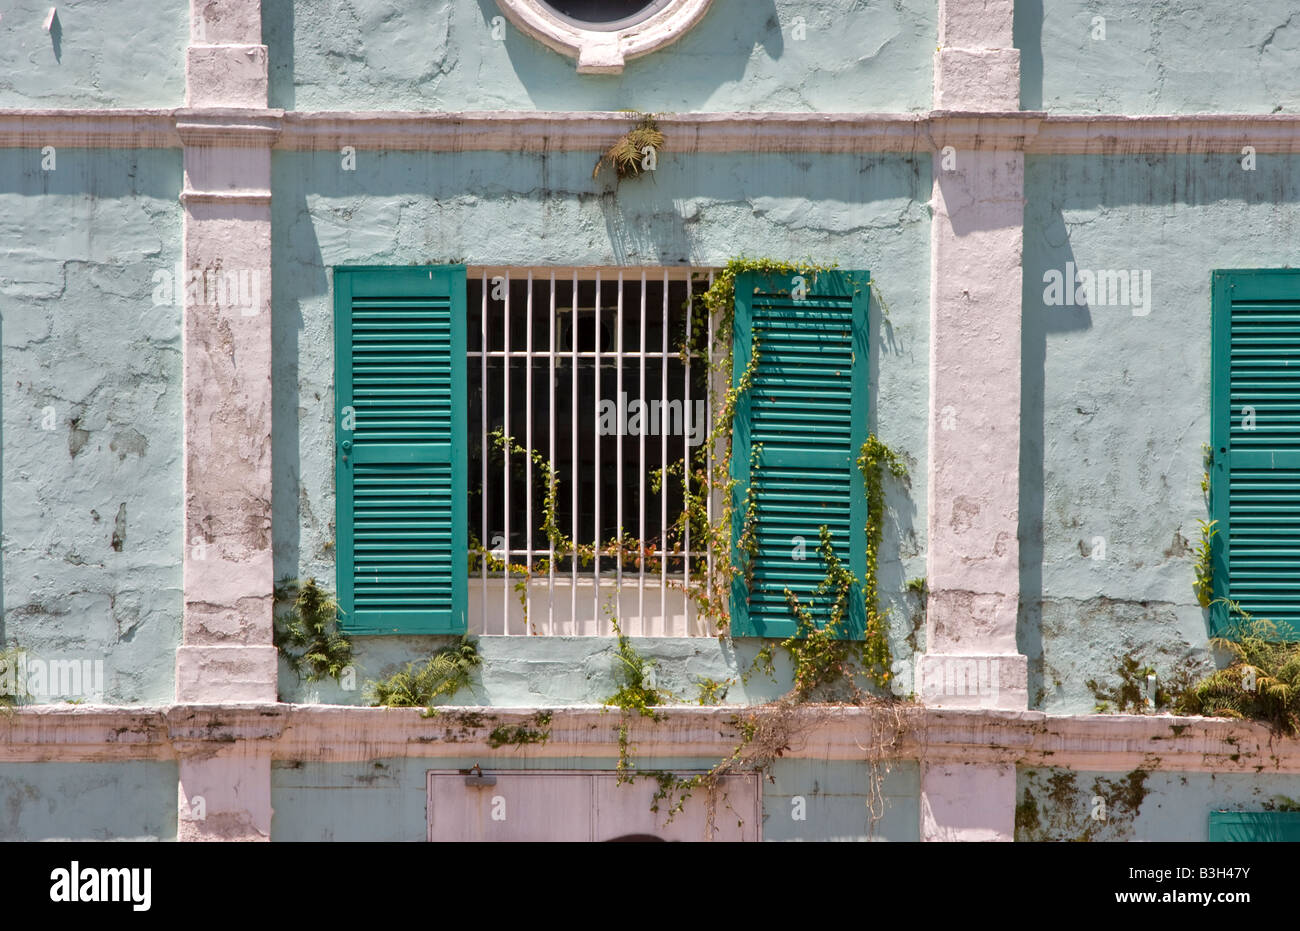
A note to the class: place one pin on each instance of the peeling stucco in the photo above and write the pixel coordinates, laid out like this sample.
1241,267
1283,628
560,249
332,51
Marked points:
1116,404
1155,57
91,412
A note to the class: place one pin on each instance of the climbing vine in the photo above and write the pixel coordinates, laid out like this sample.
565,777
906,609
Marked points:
827,665
626,549
874,461
636,695
1204,564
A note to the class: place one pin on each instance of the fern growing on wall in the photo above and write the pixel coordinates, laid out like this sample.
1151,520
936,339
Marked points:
307,630
440,676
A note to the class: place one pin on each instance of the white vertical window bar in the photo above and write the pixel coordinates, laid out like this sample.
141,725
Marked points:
595,563
686,465
573,467
528,456
641,474
505,466
622,421
483,452
663,469
550,407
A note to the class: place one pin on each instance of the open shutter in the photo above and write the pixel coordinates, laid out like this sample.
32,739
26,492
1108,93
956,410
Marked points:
401,473
797,435
1255,485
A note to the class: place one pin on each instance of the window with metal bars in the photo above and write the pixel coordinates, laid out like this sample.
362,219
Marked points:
583,371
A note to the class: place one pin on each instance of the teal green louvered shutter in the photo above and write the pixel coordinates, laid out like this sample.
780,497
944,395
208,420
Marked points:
401,472
797,434
1257,826
1255,477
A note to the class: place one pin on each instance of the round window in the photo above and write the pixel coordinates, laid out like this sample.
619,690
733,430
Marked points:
604,15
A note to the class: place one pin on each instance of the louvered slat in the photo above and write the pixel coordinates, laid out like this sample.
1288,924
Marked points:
402,529
1256,477
797,433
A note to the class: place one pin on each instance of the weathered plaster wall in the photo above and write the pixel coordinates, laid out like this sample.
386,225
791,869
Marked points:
88,801
412,208
91,413
1207,56
1116,404
519,672
98,53
386,799
1054,804
863,55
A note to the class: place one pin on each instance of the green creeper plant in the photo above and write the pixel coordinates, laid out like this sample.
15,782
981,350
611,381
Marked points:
634,696
307,630
522,734
1204,565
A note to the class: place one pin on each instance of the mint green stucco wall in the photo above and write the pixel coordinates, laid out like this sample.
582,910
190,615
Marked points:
1116,406
863,211
88,801
98,53
1206,56
385,800
859,55
92,413
1171,806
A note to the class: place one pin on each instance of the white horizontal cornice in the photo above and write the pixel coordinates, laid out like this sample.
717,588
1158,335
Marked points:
687,133
338,733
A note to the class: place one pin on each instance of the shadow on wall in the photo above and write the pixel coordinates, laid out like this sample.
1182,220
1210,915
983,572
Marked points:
1111,398
1027,35
277,36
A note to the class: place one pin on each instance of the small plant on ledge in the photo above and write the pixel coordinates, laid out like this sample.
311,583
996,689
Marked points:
637,151
442,676
1261,683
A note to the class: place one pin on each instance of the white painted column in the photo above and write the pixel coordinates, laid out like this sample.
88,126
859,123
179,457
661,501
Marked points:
227,653
971,657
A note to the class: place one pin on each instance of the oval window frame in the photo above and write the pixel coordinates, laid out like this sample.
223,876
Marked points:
604,50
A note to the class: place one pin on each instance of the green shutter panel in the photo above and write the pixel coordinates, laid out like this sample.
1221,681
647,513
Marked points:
797,434
401,473
1255,478
1259,826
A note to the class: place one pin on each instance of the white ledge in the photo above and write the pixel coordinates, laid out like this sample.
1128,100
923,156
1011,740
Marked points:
688,133
340,733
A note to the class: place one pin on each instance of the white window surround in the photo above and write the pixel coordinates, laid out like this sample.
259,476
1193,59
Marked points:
603,51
